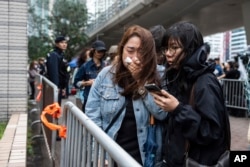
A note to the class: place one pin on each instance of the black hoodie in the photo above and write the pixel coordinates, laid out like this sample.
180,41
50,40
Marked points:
204,123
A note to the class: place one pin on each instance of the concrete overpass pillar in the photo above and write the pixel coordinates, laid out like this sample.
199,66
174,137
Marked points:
246,18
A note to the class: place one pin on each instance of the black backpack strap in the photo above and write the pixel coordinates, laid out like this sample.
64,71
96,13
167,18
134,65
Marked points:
116,116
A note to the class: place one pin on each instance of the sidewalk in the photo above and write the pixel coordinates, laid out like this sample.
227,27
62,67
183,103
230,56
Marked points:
13,143
239,129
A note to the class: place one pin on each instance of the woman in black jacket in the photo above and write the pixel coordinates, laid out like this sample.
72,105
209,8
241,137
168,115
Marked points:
197,121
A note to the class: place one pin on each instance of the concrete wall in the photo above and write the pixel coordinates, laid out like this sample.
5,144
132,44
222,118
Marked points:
13,57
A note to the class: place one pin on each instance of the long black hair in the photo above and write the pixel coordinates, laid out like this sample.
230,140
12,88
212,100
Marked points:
188,36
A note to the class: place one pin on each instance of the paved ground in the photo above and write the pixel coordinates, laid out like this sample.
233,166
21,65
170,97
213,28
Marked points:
239,129
13,143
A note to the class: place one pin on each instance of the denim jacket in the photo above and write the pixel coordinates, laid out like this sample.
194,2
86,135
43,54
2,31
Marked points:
105,101
86,72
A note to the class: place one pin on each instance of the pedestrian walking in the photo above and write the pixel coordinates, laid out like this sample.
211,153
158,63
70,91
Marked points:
83,58
33,71
197,124
118,101
42,66
112,55
87,73
158,32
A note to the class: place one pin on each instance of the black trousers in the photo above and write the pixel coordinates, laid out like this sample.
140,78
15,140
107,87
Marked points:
32,87
83,105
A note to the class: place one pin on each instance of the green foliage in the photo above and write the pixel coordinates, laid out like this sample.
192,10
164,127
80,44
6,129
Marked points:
2,128
67,18
38,47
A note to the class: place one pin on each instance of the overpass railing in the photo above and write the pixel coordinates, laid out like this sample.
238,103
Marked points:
101,18
88,145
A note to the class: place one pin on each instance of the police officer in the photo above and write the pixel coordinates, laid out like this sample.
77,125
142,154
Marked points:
57,66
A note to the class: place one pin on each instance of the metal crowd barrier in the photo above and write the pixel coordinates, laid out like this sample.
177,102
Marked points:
234,94
87,145
48,93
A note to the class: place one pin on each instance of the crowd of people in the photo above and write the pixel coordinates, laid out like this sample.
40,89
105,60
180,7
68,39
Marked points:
226,70
35,67
190,113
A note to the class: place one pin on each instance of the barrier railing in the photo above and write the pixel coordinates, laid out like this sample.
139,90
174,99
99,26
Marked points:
234,94
46,94
87,145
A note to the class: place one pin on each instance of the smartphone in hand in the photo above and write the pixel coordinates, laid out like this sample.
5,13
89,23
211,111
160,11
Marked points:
153,88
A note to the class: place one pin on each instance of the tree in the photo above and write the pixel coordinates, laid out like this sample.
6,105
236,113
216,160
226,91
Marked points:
38,47
67,18
39,42
70,19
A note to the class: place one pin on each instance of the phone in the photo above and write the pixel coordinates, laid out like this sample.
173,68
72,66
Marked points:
153,88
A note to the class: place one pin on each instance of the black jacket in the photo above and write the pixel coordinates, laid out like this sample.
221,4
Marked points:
57,68
203,125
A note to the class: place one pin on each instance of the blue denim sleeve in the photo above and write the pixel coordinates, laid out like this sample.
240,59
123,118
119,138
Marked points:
153,108
79,75
92,108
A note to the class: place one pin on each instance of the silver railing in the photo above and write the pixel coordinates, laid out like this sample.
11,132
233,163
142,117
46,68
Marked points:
235,94
87,145
48,93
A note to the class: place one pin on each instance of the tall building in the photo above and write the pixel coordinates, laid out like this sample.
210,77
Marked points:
13,64
226,45
238,41
216,43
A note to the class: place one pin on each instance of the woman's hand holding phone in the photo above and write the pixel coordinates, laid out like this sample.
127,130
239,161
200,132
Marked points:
165,100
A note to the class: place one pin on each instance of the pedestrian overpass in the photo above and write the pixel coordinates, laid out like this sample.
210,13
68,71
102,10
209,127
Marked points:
211,16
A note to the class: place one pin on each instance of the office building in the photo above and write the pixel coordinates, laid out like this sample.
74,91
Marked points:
238,41
216,43
13,64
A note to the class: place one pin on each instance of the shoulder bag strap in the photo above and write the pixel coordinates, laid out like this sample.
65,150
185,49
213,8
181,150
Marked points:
191,102
116,116
228,134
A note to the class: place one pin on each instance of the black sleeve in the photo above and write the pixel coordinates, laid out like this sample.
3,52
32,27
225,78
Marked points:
52,67
203,124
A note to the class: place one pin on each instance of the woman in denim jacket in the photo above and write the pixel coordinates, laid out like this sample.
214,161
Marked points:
123,83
